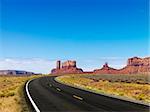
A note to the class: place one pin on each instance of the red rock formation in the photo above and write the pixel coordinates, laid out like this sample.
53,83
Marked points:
105,70
137,65
68,67
135,61
134,65
58,64
69,64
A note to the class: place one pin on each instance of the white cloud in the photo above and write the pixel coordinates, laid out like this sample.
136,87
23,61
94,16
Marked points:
34,65
38,65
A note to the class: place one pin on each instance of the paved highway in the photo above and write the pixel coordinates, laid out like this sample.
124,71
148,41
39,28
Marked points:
47,95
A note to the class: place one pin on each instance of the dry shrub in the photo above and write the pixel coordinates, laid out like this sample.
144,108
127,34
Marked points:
12,97
136,91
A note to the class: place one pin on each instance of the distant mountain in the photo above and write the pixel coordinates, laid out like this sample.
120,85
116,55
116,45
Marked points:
15,72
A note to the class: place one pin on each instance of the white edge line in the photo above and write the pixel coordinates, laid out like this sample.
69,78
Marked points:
31,100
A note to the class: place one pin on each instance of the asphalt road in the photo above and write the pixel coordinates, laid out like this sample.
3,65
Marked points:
51,96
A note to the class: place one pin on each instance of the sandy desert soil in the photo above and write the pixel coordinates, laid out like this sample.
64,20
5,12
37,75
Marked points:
12,97
134,91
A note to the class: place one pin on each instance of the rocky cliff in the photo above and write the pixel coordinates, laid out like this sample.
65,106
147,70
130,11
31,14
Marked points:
134,65
69,64
68,67
137,65
135,61
105,70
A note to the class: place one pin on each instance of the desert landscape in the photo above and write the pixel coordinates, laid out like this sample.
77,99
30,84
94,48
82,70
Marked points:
132,81
74,56
128,87
129,83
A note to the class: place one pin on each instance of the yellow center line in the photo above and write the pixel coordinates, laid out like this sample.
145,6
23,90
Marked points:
77,97
58,89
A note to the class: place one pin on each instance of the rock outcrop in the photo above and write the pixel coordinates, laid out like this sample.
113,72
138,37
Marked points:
105,70
138,61
134,65
69,64
68,67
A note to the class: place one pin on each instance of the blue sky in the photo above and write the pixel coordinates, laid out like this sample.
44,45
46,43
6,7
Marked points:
73,29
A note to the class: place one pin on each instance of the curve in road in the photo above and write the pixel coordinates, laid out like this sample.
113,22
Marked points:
50,96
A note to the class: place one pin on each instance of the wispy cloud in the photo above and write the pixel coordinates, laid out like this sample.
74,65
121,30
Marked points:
34,65
38,65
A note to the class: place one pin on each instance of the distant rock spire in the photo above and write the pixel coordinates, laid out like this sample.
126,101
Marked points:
58,64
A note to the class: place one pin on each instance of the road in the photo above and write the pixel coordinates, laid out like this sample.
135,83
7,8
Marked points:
51,96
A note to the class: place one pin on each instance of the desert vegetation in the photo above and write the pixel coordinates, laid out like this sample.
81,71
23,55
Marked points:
12,97
128,78
133,87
